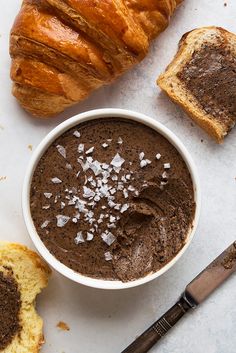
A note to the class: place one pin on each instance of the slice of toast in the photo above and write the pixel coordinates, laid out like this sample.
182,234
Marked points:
26,275
202,79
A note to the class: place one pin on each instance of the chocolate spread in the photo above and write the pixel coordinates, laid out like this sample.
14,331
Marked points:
230,259
211,77
112,199
9,309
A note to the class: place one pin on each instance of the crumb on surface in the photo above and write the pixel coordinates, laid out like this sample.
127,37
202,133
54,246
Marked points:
225,4
1,126
63,326
2,178
202,140
30,147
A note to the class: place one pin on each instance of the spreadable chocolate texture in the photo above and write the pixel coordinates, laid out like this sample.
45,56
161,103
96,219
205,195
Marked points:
112,199
9,308
210,76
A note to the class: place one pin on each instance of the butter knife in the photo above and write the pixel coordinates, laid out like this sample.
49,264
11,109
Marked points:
195,293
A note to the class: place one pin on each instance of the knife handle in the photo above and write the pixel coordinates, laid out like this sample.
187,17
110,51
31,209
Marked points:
155,332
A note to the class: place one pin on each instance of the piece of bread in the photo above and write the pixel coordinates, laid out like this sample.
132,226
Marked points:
62,50
28,272
202,79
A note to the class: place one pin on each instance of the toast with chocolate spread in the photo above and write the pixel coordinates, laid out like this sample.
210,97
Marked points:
22,276
202,79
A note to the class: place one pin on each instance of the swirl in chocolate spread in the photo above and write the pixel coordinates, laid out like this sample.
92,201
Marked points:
9,308
112,199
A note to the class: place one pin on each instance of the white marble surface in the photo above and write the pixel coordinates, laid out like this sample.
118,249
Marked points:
105,322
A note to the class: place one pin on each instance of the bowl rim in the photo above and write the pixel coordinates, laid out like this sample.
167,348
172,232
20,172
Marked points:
48,140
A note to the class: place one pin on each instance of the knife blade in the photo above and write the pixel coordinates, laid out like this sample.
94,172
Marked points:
212,277
195,293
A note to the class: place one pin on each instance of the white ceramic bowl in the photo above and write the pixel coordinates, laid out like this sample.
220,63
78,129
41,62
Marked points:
46,142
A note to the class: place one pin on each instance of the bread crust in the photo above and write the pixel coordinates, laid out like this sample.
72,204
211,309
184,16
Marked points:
84,43
31,274
175,89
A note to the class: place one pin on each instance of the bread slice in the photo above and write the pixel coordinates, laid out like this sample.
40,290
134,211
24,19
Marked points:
202,79
31,275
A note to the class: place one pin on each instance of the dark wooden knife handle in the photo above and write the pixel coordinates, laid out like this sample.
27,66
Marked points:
155,332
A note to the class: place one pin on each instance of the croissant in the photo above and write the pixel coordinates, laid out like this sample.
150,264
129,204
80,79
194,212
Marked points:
64,49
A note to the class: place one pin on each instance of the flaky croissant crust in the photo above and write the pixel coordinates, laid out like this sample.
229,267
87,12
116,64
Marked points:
63,49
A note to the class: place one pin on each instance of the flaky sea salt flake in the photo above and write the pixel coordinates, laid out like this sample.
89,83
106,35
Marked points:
62,220
96,167
125,193
144,163
123,179
124,208
164,175
166,165
90,150
117,161
85,166
68,166
117,169
61,150
131,188
89,236
77,134
81,148
158,156
56,180
141,156
105,166
48,195
97,198
120,186
79,238
112,219
45,224
108,238
112,191
108,256
111,204
120,141
88,192
104,191
105,145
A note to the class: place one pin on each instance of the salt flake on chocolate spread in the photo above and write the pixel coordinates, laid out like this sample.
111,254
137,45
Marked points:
62,220
108,238
56,180
61,150
117,161
79,238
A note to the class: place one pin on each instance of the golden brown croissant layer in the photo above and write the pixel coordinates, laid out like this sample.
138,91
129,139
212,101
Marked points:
63,49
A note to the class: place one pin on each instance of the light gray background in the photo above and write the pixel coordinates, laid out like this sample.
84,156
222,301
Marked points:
105,322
